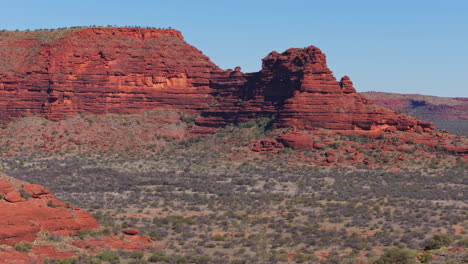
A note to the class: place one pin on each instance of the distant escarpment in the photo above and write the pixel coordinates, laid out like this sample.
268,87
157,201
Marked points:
133,70
446,113
425,107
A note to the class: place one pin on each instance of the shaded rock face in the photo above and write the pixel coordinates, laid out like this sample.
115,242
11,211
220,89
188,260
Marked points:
22,218
131,70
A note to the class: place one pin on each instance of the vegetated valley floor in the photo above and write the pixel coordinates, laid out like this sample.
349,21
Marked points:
198,198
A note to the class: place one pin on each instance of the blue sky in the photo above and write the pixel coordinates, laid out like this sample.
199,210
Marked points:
392,46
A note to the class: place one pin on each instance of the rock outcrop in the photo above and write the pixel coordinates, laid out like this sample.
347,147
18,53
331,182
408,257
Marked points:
132,70
297,87
27,209
100,70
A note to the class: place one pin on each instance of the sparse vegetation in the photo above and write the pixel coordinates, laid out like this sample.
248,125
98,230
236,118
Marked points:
212,200
24,247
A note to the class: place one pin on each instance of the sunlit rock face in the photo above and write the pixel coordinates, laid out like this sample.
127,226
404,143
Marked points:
27,209
133,70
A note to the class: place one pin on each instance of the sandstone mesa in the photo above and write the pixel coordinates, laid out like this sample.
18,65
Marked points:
133,70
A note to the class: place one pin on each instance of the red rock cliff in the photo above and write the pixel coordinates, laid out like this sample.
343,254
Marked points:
100,70
298,88
128,70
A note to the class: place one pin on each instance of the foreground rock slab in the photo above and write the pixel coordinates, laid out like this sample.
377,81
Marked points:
27,209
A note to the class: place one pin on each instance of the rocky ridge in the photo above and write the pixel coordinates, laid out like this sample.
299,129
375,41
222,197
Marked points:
133,70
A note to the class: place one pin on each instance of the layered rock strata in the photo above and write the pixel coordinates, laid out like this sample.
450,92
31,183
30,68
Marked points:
133,70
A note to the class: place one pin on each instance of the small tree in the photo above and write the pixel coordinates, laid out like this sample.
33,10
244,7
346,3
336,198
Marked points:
438,241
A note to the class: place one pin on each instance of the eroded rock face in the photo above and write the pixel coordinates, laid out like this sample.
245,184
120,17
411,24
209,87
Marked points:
21,218
132,70
316,99
101,70
297,87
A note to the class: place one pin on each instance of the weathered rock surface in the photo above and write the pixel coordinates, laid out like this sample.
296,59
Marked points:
130,70
21,218
266,145
100,70
131,231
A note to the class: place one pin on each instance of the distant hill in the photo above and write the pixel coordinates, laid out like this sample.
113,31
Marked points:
446,113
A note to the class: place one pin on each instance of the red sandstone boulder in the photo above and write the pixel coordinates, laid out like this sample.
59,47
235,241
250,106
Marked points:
266,145
36,190
14,197
5,187
351,150
21,219
12,256
319,146
131,231
297,140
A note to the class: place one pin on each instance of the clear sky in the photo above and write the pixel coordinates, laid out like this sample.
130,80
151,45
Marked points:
409,46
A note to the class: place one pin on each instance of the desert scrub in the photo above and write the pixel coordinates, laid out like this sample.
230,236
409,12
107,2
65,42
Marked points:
24,247
438,241
109,256
137,255
397,255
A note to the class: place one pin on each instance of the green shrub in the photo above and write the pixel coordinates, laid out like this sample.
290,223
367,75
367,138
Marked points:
181,260
397,256
247,124
336,144
67,261
202,259
51,204
90,260
24,194
425,257
137,255
189,142
218,238
439,241
24,247
109,256
266,124
463,243
158,256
